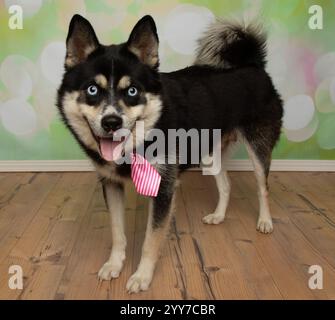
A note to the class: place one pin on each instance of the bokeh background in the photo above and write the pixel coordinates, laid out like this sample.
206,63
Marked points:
301,62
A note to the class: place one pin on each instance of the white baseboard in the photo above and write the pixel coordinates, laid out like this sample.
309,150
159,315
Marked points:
286,165
45,165
232,165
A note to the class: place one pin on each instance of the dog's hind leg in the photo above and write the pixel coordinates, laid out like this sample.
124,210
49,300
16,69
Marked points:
259,144
264,223
114,197
223,184
160,213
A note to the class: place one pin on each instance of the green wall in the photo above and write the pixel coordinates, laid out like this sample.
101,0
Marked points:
301,62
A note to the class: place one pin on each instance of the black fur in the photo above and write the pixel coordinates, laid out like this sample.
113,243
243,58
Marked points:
247,50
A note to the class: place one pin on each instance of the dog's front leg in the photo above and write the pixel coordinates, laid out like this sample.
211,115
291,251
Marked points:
160,212
114,197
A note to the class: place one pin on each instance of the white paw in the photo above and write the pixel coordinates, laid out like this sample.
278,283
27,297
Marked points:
265,225
109,271
213,218
139,281
112,268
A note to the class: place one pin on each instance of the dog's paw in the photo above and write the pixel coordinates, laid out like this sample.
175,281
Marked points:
139,281
265,226
213,218
110,270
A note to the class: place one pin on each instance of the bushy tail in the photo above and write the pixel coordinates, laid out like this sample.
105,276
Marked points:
230,44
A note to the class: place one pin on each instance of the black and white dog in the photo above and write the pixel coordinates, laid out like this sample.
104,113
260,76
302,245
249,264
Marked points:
107,88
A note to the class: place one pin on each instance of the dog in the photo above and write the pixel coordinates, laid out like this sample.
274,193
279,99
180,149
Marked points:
108,88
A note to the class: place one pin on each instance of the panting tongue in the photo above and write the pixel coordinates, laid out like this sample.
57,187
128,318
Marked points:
110,150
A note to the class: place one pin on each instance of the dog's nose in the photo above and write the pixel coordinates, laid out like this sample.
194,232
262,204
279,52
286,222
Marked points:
111,123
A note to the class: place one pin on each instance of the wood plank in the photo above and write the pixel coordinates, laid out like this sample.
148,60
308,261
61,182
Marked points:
21,209
213,258
44,283
311,211
289,244
40,240
9,182
223,251
45,239
273,255
79,280
188,271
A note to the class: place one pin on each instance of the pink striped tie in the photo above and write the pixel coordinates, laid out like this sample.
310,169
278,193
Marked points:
145,177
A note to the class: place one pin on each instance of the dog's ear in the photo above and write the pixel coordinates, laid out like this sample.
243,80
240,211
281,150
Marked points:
80,42
143,42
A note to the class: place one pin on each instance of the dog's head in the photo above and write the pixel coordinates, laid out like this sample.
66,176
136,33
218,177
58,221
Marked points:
108,88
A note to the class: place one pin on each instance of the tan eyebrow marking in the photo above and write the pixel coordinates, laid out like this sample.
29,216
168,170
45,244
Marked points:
122,105
101,81
124,82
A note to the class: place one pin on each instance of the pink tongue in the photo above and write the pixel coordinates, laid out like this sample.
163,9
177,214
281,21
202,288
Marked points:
111,150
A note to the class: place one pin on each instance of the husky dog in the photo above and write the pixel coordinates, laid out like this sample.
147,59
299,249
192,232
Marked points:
107,88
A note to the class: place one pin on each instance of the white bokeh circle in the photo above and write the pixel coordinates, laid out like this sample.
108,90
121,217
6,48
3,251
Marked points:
29,7
66,10
44,101
298,112
52,61
17,74
325,66
277,66
101,20
286,66
304,133
325,96
18,117
184,25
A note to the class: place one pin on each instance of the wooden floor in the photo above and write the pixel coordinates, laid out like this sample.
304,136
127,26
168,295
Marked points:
55,226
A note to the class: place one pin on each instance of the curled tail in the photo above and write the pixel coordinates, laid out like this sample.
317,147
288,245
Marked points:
228,45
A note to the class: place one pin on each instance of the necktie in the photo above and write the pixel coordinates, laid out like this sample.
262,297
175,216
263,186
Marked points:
145,177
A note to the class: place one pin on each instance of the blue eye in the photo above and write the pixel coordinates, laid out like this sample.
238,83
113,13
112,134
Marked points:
92,90
132,92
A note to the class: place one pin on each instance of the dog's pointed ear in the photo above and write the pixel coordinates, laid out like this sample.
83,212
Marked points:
81,41
143,42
